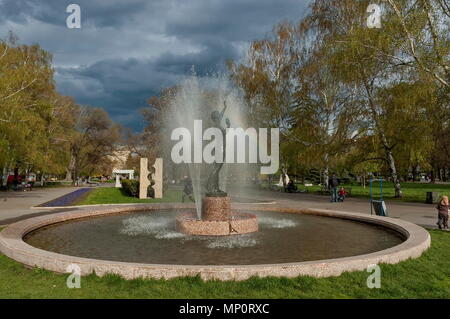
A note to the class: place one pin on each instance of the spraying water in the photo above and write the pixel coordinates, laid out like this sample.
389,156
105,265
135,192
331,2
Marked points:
195,99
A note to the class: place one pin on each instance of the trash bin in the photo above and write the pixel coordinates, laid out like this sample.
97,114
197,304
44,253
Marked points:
380,208
432,197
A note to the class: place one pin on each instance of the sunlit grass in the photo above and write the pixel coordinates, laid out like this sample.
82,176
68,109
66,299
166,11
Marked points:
112,195
412,192
424,277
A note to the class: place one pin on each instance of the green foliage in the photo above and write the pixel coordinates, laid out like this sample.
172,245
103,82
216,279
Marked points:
93,144
351,98
130,187
26,91
41,130
112,195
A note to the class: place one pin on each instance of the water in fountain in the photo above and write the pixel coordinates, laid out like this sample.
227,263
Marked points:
195,99
150,237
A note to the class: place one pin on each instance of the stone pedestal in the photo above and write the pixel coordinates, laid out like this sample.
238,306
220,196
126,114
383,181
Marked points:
217,220
239,223
216,208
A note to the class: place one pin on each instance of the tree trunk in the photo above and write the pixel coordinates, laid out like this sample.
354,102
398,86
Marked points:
42,179
415,172
68,175
326,172
388,150
325,178
70,171
393,172
364,179
1,177
75,177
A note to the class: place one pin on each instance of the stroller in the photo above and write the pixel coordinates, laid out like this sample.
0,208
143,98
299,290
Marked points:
341,194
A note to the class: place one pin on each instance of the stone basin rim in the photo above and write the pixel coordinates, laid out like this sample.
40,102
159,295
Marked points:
12,245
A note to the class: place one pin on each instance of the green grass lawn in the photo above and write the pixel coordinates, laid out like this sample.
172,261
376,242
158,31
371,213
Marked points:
425,277
412,192
112,195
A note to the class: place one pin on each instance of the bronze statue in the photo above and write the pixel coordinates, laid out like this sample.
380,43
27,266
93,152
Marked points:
212,185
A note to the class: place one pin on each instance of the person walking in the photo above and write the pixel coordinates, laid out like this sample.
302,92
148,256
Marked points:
442,208
333,184
188,189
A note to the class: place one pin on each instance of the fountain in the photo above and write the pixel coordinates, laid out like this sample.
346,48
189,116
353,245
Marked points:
213,238
216,218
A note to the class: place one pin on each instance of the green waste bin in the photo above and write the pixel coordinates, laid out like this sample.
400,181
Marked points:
432,197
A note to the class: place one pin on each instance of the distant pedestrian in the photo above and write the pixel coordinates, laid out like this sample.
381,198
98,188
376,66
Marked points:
291,187
16,178
188,189
442,208
333,184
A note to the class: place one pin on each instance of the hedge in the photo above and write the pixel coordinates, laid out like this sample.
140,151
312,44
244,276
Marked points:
130,187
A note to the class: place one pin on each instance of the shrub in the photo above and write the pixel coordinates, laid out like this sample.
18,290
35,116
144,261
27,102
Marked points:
130,187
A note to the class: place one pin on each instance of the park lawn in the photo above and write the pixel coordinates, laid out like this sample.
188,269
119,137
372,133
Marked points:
425,277
112,195
412,192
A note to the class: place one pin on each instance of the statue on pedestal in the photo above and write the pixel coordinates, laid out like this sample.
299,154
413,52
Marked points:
212,185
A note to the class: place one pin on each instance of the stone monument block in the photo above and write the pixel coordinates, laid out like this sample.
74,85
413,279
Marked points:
144,182
157,177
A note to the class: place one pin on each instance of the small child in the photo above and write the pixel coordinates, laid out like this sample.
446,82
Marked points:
442,208
341,194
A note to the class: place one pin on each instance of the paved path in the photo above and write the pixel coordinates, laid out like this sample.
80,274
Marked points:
18,205
420,214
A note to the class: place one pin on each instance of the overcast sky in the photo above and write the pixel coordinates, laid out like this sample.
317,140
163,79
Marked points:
127,50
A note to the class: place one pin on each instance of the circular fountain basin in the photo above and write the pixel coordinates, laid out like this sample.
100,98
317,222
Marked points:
142,241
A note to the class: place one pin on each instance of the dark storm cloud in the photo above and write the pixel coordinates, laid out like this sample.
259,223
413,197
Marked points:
125,85
231,20
127,51
101,13
212,58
